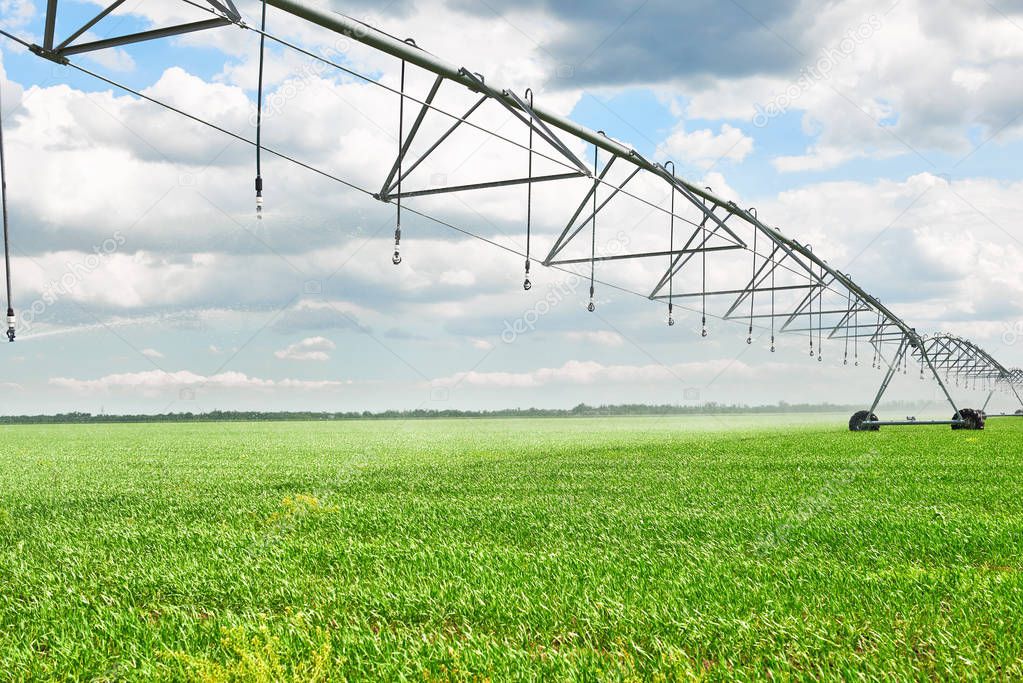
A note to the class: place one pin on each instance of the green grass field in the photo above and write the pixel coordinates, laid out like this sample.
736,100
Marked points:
583,549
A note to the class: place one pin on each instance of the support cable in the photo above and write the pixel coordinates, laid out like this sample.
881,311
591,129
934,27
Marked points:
259,118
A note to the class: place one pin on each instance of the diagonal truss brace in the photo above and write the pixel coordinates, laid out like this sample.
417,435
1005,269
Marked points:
406,172
228,14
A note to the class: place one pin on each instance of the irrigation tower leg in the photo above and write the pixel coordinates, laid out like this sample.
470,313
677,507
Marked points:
1016,393
989,397
892,369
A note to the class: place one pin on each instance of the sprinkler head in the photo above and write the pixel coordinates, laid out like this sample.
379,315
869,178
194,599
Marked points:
591,307
259,197
671,321
704,333
396,259
749,341
10,324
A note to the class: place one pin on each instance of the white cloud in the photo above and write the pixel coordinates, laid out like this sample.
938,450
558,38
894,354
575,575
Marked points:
816,159
312,348
112,59
922,76
599,338
706,149
591,372
154,382
15,13
151,353
481,344
115,60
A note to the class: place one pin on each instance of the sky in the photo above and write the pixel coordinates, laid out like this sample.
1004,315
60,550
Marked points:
886,134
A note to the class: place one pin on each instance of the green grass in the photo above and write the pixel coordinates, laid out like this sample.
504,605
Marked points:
584,549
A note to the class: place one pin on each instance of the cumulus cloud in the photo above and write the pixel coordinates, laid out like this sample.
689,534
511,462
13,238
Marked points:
319,315
599,338
158,381
611,43
152,353
311,348
870,81
16,13
592,372
704,148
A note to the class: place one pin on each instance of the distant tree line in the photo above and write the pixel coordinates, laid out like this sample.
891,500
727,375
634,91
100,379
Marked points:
581,410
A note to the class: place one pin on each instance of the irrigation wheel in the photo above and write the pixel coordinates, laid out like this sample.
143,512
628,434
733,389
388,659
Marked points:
857,420
972,419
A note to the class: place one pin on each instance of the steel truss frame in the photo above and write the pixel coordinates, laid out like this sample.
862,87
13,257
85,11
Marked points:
716,230
225,9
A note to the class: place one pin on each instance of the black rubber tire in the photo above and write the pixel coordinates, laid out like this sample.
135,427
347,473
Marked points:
973,420
857,420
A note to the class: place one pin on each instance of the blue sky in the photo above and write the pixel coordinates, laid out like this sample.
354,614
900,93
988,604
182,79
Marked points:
888,142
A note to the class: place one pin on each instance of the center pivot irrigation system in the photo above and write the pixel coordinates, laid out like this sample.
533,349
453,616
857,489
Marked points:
707,251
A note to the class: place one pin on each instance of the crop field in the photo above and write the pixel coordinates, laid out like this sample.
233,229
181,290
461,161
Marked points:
632,548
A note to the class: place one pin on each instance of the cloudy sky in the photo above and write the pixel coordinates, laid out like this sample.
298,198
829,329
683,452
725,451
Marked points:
885,133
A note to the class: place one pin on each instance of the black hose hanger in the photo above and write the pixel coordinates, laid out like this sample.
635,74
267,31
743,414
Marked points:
259,119
527,284
7,251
